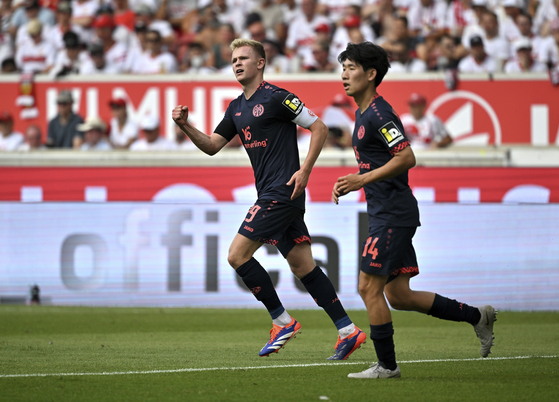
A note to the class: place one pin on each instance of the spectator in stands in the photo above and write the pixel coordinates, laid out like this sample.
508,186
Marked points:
403,60
543,47
123,15
174,11
333,9
70,58
255,28
478,61
138,46
146,14
445,55
220,55
423,130
62,129
546,13
95,138
339,118
381,14
97,62
155,60
524,61
460,14
33,139
495,44
195,60
122,130
114,52
234,14
509,28
321,62
10,140
6,42
272,19
301,33
83,12
120,33
9,66
396,31
31,10
63,25
352,30
151,140
37,55
276,61
426,20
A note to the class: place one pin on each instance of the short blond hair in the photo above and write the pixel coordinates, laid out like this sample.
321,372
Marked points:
255,45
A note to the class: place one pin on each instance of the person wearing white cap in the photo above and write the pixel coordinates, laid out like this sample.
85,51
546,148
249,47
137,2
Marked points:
543,47
151,140
36,55
524,62
94,130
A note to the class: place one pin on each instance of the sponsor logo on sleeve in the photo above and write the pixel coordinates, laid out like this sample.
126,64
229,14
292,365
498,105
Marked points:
391,133
293,103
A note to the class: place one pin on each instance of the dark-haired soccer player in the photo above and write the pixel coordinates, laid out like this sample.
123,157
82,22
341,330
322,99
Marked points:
266,118
388,258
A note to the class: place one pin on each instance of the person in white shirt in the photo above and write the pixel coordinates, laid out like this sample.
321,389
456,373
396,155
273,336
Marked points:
83,12
115,52
55,34
301,33
36,55
155,60
33,139
524,61
10,140
95,138
152,141
543,47
276,61
96,63
339,118
122,130
353,29
69,60
146,14
424,131
478,61
403,61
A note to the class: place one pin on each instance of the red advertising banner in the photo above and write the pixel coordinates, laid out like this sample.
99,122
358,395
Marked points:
210,184
480,112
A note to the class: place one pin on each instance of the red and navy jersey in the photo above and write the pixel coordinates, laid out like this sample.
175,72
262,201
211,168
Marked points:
377,136
267,131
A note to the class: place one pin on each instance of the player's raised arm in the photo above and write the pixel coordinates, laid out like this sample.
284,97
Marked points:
209,144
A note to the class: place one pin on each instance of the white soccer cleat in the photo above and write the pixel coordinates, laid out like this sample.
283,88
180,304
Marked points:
484,329
377,371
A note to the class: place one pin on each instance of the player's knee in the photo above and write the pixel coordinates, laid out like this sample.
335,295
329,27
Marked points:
234,260
396,303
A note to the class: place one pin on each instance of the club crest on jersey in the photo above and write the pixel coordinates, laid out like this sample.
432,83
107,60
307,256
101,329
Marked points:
257,110
391,133
293,103
361,132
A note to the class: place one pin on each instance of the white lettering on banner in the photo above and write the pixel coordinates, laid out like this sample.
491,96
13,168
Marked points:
167,121
219,96
133,240
465,117
92,102
539,125
149,104
197,110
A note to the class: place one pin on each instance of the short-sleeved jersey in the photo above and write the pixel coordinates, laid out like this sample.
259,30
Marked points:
377,136
265,124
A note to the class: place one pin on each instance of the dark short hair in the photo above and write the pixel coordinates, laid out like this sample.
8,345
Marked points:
369,56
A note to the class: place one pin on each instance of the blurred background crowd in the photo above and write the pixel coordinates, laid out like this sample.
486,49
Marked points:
60,37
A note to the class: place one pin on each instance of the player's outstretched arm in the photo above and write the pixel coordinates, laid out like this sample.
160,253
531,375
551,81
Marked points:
209,144
319,132
400,162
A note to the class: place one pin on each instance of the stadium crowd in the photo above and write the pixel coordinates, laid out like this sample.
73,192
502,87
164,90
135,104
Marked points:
79,37
60,37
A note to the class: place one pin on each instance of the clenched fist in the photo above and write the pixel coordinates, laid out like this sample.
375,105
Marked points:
180,114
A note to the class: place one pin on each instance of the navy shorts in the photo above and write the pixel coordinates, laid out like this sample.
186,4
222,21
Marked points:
275,223
389,251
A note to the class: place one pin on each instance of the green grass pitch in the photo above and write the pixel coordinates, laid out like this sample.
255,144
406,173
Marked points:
82,354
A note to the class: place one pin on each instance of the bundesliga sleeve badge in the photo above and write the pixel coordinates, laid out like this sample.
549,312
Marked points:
293,103
391,133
